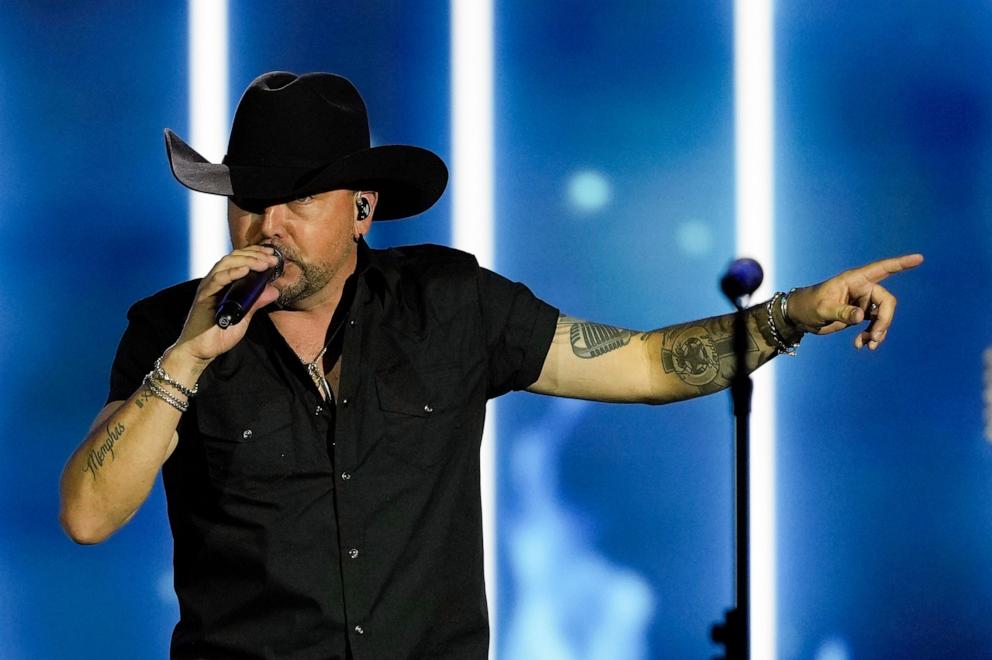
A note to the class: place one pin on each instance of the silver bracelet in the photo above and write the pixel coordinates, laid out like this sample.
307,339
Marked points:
784,306
159,392
780,345
162,375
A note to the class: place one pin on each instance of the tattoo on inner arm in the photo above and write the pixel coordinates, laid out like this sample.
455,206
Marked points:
590,340
98,455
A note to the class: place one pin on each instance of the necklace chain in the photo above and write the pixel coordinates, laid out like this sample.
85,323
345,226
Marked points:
316,371
316,368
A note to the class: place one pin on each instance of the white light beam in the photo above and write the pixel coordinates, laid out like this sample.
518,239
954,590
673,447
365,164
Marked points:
208,117
754,81
472,211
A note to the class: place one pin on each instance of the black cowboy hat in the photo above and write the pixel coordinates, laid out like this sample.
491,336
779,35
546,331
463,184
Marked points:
300,135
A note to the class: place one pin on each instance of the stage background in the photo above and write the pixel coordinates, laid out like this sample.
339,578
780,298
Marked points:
614,143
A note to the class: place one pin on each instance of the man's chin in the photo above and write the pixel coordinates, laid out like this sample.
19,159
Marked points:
287,298
290,285
294,297
298,284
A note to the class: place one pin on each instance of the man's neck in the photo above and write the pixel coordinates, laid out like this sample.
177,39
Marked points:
305,327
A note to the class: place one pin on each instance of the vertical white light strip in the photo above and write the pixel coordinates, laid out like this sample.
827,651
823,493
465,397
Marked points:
754,104
472,127
472,208
208,115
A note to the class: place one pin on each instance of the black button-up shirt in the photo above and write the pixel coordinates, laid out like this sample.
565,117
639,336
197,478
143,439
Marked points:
304,527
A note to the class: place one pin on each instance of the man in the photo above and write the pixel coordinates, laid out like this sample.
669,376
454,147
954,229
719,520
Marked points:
321,457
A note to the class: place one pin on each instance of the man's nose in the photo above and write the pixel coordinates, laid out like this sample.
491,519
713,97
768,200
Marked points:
273,221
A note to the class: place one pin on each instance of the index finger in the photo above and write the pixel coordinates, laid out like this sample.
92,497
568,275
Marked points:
879,270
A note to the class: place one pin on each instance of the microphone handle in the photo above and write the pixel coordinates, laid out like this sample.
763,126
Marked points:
240,296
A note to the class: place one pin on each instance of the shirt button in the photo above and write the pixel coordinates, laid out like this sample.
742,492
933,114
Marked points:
428,408
353,553
346,475
246,434
359,630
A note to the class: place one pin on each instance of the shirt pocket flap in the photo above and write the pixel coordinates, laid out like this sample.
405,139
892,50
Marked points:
420,391
243,417
403,392
422,407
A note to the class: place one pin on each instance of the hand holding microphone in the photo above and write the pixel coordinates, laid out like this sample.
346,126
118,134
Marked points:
242,294
221,299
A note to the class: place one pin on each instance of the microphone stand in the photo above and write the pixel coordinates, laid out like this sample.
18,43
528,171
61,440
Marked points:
734,632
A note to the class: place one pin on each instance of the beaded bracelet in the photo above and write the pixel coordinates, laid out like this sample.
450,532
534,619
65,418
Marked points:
159,392
162,375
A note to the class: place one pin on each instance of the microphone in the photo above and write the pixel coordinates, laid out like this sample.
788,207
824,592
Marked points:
743,277
242,294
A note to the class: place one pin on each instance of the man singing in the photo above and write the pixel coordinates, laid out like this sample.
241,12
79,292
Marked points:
321,457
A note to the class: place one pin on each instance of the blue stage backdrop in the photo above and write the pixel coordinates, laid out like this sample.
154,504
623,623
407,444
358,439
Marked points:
614,148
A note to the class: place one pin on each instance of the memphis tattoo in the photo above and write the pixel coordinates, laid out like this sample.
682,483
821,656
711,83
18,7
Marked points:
98,455
590,340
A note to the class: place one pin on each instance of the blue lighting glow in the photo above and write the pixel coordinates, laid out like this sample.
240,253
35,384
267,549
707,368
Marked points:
588,191
694,238
572,602
833,648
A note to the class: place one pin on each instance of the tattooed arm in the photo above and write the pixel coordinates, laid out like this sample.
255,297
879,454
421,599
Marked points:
111,473
601,362
604,363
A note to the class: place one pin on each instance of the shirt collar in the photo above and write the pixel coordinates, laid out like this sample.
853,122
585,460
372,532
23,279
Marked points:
372,268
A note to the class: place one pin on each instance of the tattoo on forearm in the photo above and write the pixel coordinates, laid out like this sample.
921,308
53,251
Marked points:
98,455
590,340
143,396
701,354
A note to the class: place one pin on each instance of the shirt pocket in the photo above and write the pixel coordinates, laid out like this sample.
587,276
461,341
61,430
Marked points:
422,410
247,439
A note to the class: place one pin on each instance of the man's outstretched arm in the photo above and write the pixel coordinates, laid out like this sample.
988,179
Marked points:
604,363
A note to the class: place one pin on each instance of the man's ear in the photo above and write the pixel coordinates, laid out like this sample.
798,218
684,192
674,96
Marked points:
365,202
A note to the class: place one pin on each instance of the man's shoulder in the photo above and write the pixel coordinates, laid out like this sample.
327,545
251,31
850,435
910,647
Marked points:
430,277
168,303
424,255
426,263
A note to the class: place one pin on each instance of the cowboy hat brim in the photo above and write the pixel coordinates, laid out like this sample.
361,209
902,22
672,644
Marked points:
409,179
